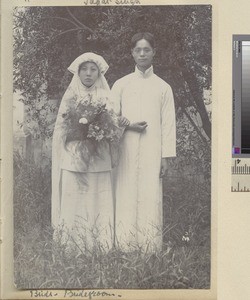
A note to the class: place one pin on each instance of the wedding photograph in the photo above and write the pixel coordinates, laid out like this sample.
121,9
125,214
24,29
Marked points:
112,113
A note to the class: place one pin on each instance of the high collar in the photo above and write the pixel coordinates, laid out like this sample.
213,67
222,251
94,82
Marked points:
82,90
146,74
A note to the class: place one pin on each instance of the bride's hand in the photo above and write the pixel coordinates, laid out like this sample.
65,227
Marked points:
138,126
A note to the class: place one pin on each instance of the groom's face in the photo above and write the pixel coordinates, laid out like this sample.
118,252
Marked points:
143,54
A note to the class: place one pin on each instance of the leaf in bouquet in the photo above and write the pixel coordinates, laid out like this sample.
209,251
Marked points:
105,118
96,132
82,150
72,128
85,150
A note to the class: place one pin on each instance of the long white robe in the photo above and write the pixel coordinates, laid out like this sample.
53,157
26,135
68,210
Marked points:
142,97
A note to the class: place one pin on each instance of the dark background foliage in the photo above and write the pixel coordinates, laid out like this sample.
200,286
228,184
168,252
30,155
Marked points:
48,39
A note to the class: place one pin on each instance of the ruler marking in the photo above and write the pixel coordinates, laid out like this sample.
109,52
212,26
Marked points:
240,170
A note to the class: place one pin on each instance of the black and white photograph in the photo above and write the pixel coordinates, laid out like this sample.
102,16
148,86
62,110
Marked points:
112,112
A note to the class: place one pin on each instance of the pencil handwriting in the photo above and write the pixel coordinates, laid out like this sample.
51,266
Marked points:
97,2
109,2
72,294
87,294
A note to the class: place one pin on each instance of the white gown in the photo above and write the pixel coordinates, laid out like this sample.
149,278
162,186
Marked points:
82,196
142,97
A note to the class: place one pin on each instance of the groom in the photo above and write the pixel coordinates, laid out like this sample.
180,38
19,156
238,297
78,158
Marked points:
147,102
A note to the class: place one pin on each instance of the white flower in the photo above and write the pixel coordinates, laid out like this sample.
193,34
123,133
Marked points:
83,121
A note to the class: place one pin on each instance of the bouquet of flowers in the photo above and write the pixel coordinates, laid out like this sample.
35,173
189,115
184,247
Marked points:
92,122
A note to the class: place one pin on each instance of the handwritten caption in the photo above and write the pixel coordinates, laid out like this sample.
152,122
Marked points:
71,294
108,2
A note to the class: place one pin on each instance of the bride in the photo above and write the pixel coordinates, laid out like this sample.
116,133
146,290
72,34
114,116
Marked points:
82,202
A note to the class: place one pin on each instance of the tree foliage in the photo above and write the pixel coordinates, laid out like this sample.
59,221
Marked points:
48,39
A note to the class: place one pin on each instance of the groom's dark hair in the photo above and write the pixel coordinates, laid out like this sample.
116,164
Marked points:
143,35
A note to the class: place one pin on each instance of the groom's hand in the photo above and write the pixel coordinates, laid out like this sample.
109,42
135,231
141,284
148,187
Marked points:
123,121
138,126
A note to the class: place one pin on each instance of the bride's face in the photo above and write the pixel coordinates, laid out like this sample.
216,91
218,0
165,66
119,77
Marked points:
88,73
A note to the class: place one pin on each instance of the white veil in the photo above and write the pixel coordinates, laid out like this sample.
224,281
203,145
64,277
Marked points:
101,83
75,91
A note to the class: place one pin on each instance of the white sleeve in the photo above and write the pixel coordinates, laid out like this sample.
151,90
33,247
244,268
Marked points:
116,95
168,124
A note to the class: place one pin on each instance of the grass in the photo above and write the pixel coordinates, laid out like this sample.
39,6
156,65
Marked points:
40,262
